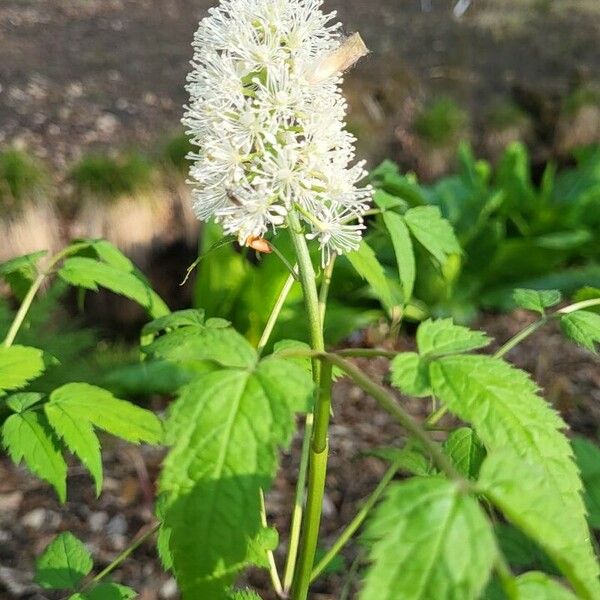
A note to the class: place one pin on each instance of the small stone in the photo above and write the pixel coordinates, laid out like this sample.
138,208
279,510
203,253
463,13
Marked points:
117,526
10,502
97,521
35,519
107,123
168,589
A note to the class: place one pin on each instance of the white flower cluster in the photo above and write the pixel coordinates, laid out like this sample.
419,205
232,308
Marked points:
267,116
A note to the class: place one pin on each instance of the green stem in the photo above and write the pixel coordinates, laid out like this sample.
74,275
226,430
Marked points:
356,522
283,294
23,309
519,337
578,306
367,353
324,291
317,450
271,558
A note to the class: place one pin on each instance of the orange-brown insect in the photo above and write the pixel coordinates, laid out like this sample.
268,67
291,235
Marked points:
259,244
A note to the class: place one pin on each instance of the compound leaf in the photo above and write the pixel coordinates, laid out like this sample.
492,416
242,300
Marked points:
582,327
64,563
410,374
19,365
503,406
428,540
225,429
27,436
536,585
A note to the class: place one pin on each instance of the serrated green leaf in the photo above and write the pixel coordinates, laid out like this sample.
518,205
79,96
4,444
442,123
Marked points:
20,272
522,491
428,540
90,274
19,365
387,201
365,263
27,436
403,249
433,231
538,586
63,564
442,336
106,591
78,435
587,455
410,374
466,451
536,300
189,338
99,407
112,255
243,595
225,430
502,404
582,327
21,402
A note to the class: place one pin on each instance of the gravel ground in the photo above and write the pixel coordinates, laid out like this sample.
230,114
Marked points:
30,515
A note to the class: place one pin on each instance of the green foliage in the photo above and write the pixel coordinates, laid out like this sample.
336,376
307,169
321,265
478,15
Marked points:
19,272
221,454
537,300
442,337
587,455
108,178
428,539
89,274
582,327
512,233
441,122
403,248
106,591
21,178
63,564
466,451
538,586
532,464
19,365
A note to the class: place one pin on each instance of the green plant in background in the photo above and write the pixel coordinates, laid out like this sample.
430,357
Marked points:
175,153
442,122
21,177
579,98
108,177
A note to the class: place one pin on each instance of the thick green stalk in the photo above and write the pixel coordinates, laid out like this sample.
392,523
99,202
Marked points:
317,450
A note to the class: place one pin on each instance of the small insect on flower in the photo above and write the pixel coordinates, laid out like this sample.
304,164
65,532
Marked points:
259,244
267,115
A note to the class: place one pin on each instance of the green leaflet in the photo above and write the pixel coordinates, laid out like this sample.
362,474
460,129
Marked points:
408,461
106,591
20,272
243,595
21,402
536,300
99,407
587,455
63,564
433,231
368,267
78,435
466,451
188,338
27,436
89,273
410,374
442,336
521,490
502,404
538,586
403,249
582,327
225,429
428,540
19,365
